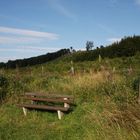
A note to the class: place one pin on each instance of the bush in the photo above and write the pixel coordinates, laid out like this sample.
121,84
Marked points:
136,83
3,87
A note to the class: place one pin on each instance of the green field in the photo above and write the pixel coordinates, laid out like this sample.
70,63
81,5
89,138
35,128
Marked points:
105,95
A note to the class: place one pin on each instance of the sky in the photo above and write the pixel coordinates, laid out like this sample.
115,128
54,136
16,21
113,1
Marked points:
34,27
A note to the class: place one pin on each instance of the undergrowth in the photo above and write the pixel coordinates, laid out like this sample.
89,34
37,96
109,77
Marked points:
105,101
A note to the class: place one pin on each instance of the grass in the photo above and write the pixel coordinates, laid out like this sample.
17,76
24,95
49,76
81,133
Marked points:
106,102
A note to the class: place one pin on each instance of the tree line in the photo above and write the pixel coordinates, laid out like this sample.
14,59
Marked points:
34,60
128,46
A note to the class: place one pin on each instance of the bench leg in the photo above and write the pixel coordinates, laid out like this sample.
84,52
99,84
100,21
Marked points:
32,102
66,104
60,114
24,111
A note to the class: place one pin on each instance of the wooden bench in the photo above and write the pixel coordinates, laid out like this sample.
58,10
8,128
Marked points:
52,99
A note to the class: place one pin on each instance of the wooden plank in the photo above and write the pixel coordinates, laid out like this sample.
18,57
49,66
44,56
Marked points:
48,95
43,107
59,100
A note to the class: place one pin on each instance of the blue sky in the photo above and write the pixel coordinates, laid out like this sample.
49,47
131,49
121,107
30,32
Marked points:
34,27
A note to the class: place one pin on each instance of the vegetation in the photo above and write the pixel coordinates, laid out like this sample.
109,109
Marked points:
105,91
89,45
128,46
105,96
34,60
3,87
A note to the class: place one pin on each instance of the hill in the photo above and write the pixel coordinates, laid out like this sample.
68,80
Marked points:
35,60
105,92
128,46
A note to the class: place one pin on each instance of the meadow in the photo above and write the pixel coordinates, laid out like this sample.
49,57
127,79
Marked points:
105,91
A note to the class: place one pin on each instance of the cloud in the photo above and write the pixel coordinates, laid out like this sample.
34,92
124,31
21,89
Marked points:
5,59
112,40
30,49
106,29
21,50
113,1
15,35
18,40
57,5
137,2
23,43
31,33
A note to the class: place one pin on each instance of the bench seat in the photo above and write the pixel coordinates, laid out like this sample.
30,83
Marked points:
56,100
43,107
48,95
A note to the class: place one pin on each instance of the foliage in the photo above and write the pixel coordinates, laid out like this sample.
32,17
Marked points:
89,45
3,87
136,83
128,46
35,60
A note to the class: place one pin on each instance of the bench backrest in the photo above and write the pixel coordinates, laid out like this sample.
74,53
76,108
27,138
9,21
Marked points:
48,95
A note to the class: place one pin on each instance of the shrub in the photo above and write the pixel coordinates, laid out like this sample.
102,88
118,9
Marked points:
136,83
3,87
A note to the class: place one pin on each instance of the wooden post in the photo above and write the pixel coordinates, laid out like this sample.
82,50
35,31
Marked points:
72,68
42,70
100,58
24,111
114,69
60,114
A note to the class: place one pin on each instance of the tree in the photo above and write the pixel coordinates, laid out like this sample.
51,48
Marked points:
72,50
89,45
101,46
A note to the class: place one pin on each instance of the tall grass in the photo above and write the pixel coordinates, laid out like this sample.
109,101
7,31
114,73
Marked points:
106,106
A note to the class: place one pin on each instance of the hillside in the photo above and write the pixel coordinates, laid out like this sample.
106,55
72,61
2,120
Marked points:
105,91
128,46
34,60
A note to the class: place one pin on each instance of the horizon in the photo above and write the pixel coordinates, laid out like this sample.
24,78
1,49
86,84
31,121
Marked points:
32,28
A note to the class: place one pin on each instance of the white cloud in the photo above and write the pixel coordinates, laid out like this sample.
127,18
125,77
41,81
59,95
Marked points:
23,43
137,2
5,59
17,40
30,49
106,29
113,2
25,49
20,36
57,5
29,33
39,49
112,40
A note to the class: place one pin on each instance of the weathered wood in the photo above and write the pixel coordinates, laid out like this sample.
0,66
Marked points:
43,107
48,95
49,98
59,100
